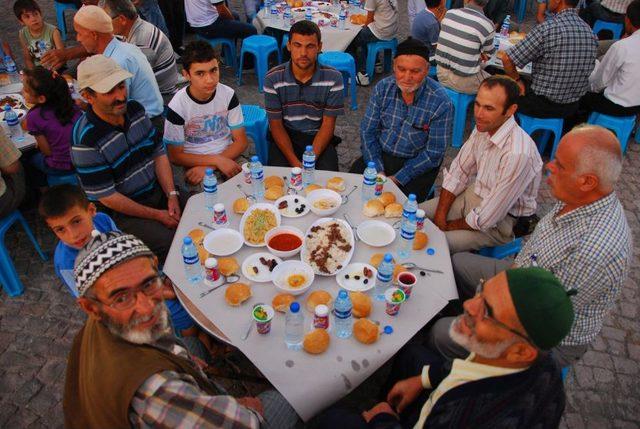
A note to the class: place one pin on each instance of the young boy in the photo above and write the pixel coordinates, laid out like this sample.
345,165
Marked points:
204,126
37,36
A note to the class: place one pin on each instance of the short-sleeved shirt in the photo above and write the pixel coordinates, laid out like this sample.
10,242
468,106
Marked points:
112,159
201,13
8,155
37,46
301,106
385,18
44,122
563,53
426,28
142,87
203,127
616,6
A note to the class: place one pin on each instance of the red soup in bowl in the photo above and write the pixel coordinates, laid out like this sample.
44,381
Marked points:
285,242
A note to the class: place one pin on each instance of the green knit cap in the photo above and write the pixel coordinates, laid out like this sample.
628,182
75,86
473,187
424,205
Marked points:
542,305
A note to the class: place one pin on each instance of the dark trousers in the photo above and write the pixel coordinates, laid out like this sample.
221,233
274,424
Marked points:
14,193
595,11
358,48
420,185
228,28
540,106
328,160
174,16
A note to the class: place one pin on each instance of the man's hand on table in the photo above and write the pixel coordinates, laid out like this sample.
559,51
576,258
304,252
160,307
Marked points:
173,207
254,403
195,175
54,59
227,166
404,392
381,408
166,219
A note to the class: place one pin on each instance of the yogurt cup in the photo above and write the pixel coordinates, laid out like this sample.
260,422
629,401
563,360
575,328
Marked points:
262,314
394,297
246,173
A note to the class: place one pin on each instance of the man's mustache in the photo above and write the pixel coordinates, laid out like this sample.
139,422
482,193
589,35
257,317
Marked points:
119,103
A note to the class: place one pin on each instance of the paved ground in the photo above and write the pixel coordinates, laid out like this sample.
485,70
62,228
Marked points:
36,329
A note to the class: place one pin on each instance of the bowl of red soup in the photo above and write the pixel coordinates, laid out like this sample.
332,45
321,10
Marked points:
284,241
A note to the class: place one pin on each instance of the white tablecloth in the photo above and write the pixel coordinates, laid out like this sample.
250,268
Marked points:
28,141
311,383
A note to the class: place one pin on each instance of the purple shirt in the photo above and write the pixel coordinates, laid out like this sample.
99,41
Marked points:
44,122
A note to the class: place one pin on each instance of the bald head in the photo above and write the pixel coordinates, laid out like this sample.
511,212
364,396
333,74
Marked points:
597,151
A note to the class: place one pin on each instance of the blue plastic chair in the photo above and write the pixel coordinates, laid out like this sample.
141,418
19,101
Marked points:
616,28
501,252
256,126
68,179
62,25
461,104
433,71
621,126
228,48
448,4
547,125
8,275
261,47
344,63
388,47
520,8
283,44
565,371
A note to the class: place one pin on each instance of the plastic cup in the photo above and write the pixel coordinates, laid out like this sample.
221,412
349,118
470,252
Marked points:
246,173
406,281
381,179
394,298
262,314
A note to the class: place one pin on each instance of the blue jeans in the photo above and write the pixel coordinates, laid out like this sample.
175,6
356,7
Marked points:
358,48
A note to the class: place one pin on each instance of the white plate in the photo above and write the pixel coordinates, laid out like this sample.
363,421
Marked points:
304,256
264,275
287,268
376,233
324,194
353,285
245,216
292,205
223,242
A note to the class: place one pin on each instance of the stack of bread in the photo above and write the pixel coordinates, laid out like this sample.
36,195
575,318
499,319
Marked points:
274,187
385,205
240,205
336,184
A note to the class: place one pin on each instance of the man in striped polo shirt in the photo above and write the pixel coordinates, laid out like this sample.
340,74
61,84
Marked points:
466,39
120,158
303,100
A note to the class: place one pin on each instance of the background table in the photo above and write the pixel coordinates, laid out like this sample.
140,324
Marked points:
311,383
28,141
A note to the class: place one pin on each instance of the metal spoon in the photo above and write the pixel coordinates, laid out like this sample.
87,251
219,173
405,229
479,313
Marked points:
246,334
230,279
247,196
354,228
345,198
412,265
206,226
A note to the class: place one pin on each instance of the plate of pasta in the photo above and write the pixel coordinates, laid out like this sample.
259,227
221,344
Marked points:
257,221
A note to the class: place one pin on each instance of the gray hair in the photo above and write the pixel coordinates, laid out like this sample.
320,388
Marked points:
120,7
600,156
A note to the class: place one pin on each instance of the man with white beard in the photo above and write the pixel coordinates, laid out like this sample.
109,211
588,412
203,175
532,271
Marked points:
126,368
508,381
407,126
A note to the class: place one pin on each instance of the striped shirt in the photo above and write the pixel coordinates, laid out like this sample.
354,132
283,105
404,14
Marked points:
617,6
301,106
157,48
464,35
110,159
589,250
507,167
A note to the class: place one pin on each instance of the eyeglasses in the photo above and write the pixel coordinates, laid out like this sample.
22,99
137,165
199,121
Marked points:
487,314
126,299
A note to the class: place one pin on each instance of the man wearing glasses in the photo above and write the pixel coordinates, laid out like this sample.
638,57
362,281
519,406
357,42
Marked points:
126,368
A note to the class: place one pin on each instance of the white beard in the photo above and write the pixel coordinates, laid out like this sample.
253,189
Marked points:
471,343
161,329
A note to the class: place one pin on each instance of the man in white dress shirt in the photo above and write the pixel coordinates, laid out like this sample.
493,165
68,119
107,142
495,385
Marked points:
507,169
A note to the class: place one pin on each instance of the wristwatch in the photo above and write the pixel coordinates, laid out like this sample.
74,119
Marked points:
174,192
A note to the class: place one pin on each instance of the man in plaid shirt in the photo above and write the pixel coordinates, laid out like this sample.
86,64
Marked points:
585,241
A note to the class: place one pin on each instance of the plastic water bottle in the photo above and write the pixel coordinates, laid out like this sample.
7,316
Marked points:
307,15
410,206
286,17
192,267
308,166
369,181
384,277
342,311
407,234
267,10
504,30
12,69
257,178
342,19
274,13
294,327
11,118
210,187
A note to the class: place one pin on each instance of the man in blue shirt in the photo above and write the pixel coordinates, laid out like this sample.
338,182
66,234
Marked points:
426,26
407,125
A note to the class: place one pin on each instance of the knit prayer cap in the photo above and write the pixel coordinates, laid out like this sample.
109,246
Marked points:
542,305
413,47
103,252
94,18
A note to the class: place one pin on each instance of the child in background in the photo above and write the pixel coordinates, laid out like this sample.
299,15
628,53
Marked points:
50,121
37,36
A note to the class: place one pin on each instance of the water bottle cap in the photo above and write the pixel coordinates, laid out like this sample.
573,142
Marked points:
187,240
6,107
209,171
431,251
388,329
412,197
371,164
309,148
294,307
342,294
254,158
388,257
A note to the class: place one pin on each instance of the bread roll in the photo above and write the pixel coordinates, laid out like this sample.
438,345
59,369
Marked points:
282,301
228,266
396,272
366,331
361,304
393,210
316,341
237,293
273,193
387,198
311,187
373,208
318,297
240,205
420,241
336,184
271,181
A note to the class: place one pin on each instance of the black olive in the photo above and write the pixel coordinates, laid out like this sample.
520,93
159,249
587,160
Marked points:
366,281
346,276
295,200
422,273
357,277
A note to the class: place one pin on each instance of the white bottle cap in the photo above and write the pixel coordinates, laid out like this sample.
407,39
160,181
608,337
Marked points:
211,263
321,310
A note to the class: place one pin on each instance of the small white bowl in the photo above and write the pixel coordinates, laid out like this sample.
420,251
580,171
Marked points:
320,194
279,230
285,269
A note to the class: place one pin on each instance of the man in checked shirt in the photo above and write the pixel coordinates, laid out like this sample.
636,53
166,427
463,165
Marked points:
483,211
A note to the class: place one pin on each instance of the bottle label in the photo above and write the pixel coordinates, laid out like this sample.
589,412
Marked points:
308,163
369,181
258,175
407,235
191,260
211,189
342,314
384,277
406,213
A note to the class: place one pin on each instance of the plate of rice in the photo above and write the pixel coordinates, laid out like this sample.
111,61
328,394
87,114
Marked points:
328,246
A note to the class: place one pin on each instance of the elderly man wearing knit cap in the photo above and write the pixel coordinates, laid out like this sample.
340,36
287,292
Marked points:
126,368
407,125
508,381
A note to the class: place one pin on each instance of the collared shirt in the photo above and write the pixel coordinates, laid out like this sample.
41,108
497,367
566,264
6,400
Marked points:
385,18
8,155
619,72
617,6
508,169
419,132
111,159
155,45
589,250
142,87
465,34
563,52
426,28
301,106
413,8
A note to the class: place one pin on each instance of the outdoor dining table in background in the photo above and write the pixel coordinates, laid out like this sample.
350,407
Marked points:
28,141
311,382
